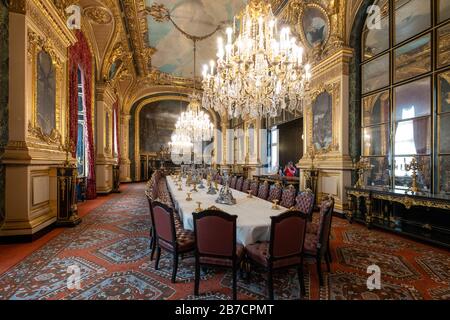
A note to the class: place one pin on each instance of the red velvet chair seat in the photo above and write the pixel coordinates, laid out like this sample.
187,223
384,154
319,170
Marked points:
185,241
177,220
226,261
310,246
215,235
312,228
258,252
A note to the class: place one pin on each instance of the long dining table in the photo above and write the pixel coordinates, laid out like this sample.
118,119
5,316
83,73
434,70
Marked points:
253,214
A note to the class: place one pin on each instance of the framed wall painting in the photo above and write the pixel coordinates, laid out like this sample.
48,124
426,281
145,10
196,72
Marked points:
322,121
315,25
45,93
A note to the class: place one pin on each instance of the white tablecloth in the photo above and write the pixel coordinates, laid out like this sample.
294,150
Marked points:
253,222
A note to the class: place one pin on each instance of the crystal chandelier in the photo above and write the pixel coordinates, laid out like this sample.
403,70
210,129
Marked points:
179,142
257,75
194,123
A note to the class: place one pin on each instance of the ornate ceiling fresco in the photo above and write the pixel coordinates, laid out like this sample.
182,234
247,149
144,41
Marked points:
174,52
139,56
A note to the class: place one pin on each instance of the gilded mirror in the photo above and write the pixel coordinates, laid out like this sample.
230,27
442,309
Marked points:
315,25
322,121
45,93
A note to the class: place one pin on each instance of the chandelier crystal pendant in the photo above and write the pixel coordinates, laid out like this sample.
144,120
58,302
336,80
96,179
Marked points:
194,122
259,74
179,142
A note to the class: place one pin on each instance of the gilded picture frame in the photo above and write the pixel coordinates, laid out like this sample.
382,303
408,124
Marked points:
333,90
49,134
322,121
315,26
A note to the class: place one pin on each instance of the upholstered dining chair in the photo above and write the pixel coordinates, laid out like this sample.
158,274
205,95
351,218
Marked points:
150,197
233,182
285,248
169,235
317,244
254,187
288,197
164,194
304,202
154,179
263,191
275,192
215,243
246,185
239,183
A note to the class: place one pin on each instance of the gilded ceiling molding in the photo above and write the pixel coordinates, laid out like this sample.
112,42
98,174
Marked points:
98,15
88,28
118,53
46,20
352,8
159,81
136,20
146,91
17,6
61,6
118,48
136,16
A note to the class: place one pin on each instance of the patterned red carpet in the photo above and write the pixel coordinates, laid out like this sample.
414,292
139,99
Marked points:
111,248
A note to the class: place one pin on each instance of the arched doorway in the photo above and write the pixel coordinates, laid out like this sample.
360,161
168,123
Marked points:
141,153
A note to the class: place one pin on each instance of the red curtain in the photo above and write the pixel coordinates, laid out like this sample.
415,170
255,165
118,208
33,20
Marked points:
80,57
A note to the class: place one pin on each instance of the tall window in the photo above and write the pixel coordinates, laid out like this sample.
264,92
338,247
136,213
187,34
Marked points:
115,141
273,149
405,52
82,133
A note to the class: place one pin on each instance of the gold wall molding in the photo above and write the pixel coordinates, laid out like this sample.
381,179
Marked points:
117,54
334,66
37,44
47,21
53,138
134,12
138,92
98,15
17,6
333,89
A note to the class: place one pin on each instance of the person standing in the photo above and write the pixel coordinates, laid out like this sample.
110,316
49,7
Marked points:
290,170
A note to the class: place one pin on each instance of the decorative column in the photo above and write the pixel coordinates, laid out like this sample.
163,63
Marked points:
255,146
330,76
104,121
34,147
227,141
125,163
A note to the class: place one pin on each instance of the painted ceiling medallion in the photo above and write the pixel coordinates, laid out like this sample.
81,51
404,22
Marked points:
98,15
